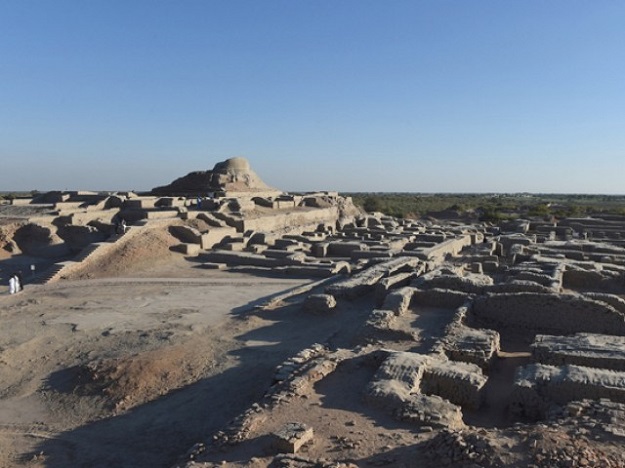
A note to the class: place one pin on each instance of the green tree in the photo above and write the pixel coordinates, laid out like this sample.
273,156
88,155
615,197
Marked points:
372,204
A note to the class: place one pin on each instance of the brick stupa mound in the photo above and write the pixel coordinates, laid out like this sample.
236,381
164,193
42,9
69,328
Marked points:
232,176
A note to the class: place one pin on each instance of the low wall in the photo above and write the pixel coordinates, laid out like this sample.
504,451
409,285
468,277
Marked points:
293,220
582,349
472,283
399,300
215,235
448,247
344,249
186,234
548,313
612,299
383,286
592,279
365,281
459,382
443,298
245,258
403,380
537,385
90,216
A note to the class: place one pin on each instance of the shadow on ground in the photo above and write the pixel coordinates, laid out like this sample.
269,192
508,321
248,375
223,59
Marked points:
157,433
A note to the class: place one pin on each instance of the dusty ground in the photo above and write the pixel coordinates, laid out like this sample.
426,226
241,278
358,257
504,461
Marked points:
80,360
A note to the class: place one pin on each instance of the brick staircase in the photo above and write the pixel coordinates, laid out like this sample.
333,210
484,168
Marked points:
48,275
55,271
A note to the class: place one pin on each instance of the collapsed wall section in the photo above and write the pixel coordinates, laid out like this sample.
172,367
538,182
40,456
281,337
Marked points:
459,382
425,389
538,386
364,282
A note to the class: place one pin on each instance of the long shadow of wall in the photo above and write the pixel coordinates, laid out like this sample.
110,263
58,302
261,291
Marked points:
156,434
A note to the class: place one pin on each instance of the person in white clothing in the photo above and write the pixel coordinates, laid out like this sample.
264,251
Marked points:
12,284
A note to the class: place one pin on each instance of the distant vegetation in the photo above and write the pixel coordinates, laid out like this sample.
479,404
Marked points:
489,207
12,195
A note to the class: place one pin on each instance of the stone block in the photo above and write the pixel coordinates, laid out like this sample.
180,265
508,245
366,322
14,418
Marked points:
277,253
160,214
431,410
287,244
256,248
399,300
234,246
320,249
319,303
291,437
188,249
186,234
141,203
344,249
490,266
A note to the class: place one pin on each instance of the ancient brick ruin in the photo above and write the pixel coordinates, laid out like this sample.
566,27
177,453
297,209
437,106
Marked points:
445,306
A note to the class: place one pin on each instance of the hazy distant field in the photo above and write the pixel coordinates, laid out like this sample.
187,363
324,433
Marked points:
490,207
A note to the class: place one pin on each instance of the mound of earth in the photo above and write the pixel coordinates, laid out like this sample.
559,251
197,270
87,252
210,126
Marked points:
234,174
132,380
147,250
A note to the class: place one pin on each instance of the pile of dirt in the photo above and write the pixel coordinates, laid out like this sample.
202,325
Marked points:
234,174
198,224
146,250
129,381
554,446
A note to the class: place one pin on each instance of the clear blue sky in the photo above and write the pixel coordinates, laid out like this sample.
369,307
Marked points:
349,95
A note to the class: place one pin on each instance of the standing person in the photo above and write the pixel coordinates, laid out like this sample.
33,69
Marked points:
12,284
120,227
20,281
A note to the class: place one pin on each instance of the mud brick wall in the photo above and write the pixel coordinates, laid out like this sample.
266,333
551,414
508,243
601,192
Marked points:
548,313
